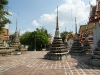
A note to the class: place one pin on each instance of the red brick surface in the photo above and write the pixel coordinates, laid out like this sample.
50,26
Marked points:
32,63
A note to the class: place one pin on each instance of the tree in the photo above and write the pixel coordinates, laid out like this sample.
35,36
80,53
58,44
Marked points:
63,35
25,38
42,29
28,38
4,14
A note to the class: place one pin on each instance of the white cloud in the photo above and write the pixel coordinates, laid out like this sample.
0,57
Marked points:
93,2
7,26
11,32
66,13
28,29
35,23
48,18
11,13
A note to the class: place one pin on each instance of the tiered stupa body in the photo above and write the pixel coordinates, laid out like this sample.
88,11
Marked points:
57,51
95,59
15,42
76,48
97,51
16,36
86,46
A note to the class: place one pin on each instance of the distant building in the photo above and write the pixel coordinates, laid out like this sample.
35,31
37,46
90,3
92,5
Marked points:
5,35
86,31
70,39
82,31
94,20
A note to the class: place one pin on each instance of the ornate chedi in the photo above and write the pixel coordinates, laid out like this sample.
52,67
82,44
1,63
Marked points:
76,48
57,51
97,51
86,45
16,36
15,42
95,59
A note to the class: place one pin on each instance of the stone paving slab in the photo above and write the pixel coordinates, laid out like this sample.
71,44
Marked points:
32,63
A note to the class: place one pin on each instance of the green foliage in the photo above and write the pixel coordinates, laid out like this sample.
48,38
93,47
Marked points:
42,29
4,14
25,38
29,38
63,35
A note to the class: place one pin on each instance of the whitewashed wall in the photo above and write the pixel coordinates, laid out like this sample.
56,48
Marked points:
70,42
96,33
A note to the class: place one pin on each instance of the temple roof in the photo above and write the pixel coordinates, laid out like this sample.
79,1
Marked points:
82,28
70,36
92,10
90,25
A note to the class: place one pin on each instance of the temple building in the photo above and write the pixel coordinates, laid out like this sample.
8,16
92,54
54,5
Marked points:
82,31
70,39
5,35
94,19
86,31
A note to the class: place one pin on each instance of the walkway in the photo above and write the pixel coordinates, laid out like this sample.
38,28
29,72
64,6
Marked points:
32,63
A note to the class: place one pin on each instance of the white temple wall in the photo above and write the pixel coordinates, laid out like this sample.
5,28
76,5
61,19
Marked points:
96,34
94,38
70,42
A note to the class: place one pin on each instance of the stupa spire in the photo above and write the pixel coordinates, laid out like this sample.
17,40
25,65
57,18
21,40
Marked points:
75,26
57,28
16,25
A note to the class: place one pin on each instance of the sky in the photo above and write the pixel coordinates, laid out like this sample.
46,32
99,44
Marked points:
32,14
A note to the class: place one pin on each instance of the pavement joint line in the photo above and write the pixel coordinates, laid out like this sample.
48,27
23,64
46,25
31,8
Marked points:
47,67
77,71
43,67
85,69
69,67
51,66
56,65
90,68
65,69
35,70
32,68
82,70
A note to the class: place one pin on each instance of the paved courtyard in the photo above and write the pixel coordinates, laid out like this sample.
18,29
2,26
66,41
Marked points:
32,63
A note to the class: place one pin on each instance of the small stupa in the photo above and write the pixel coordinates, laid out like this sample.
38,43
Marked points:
57,51
97,51
95,59
86,45
76,48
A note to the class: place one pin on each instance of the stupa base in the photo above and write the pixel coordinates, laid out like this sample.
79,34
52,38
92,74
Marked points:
57,56
94,62
81,53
